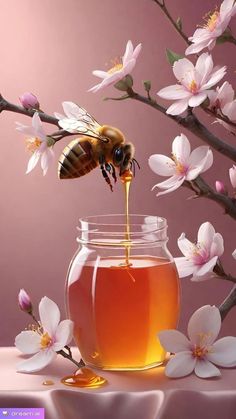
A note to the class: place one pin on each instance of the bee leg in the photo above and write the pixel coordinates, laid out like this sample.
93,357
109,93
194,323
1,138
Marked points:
113,172
106,177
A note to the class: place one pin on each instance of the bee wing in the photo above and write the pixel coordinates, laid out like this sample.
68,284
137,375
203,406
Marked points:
79,121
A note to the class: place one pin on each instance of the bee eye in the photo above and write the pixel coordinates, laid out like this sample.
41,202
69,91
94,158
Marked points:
118,155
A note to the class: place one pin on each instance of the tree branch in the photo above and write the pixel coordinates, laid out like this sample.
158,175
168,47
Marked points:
192,123
202,189
170,18
228,303
7,106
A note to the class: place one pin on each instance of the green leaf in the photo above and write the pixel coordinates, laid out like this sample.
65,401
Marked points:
124,84
179,23
225,37
173,56
147,85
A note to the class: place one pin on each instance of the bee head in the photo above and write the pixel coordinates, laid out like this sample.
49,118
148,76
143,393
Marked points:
123,156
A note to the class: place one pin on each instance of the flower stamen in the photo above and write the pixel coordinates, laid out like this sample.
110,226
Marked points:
32,144
46,340
211,20
193,87
116,65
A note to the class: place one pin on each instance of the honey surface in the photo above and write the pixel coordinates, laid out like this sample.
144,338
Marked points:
119,310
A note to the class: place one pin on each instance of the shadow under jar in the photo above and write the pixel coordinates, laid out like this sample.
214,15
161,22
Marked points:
122,289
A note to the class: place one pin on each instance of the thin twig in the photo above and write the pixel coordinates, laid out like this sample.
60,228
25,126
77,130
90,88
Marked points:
79,364
202,189
170,18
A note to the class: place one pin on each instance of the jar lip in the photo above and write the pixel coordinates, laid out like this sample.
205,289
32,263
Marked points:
134,220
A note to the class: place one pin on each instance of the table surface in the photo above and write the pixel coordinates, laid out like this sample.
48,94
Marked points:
127,395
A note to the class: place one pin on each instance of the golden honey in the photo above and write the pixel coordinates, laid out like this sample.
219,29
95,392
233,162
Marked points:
119,310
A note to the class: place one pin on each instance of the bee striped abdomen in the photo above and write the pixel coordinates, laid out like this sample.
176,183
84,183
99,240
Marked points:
76,159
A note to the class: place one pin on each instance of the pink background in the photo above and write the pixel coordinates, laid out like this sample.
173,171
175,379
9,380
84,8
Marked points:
51,48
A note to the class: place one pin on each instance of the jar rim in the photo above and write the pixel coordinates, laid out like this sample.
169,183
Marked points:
140,219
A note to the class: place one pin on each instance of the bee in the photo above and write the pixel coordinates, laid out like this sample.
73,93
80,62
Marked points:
100,146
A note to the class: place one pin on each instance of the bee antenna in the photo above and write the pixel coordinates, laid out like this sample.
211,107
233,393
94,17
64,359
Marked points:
135,161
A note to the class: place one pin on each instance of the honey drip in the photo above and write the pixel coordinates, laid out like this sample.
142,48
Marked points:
48,383
126,179
85,378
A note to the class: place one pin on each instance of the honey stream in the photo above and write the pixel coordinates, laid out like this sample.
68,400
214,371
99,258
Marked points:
85,377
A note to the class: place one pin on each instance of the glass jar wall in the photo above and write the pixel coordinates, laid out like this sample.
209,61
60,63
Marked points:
121,291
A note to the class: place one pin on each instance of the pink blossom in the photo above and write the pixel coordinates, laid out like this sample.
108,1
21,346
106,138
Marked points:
221,96
216,24
45,341
29,101
220,187
184,164
232,176
195,83
199,352
38,143
234,254
119,70
201,257
24,301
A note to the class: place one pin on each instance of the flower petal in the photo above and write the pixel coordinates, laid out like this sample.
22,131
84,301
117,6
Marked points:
234,254
100,73
181,68
176,91
205,369
204,66
64,334
33,161
168,183
161,165
128,55
204,325
137,51
37,362
197,99
185,245
215,77
28,342
175,186
184,267
178,107
206,234
205,164
46,159
182,364
217,247
49,315
201,155
224,352
174,341
206,267
181,148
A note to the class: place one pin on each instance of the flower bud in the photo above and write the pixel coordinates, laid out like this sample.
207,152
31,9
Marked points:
220,187
232,176
234,254
29,101
24,301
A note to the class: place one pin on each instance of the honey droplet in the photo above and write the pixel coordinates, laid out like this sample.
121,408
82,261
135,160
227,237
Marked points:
85,378
48,383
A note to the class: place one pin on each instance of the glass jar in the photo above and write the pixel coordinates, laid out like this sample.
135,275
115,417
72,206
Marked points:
121,291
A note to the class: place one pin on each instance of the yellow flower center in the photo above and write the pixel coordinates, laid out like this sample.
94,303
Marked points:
199,352
212,21
32,144
193,87
45,340
116,66
180,167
